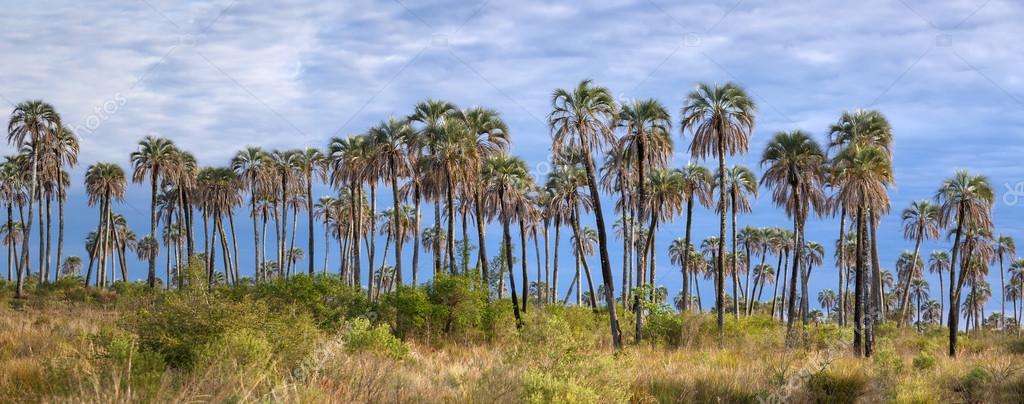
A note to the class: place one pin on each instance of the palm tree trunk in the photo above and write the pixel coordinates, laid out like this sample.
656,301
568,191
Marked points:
554,272
42,239
465,239
397,220
309,217
449,189
225,253
547,261
905,300
151,275
522,255
583,259
720,264
49,226
60,225
775,286
798,243
357,211
480,229
841,264
10,245
686,258
437,242
234,246
858,309
602,238
27,231
255,232
1002,299
955,284
291,243
416,236
508,256
734,265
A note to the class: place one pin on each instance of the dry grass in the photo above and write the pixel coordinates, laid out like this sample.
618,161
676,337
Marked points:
65,354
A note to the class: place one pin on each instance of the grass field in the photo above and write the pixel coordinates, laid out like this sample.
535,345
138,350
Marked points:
316,341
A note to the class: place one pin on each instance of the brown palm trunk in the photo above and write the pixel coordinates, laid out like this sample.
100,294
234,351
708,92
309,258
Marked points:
955,284
397,223
841,252
480,229
686,256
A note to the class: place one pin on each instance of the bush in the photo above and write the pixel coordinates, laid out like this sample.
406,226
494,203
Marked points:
833,387
457,305
541,387
361,336
326,297
924,361
973,386
406,309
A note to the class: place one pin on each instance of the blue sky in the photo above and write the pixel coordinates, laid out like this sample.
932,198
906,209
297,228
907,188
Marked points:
215,76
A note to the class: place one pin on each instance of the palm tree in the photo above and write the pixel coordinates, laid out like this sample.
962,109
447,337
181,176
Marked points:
938,262
697,183
826,298
921,221
967,200
251,165
1017,282
65,153
564,184
72,266
325,210
391,156
311,163
721,118
349,157
583,118
865,173
501,174
147,247
663,204
919,290
488,135
104,183
32,122
431,114
740,185
795,171
814,255
1004,246
154,159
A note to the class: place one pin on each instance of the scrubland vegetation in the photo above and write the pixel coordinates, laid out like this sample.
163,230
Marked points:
318,340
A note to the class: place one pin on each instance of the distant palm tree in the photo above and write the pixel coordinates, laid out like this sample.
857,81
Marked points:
65,150
697,183
938,262
251,165
721,118
795,171
827,298
147,247
311,164
663,204
919,290
967,200
431,114
583,118
104,183
814,255
921,221
1004,247
740,185
72,266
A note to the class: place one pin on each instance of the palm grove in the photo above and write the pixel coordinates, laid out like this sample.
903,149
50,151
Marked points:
456,162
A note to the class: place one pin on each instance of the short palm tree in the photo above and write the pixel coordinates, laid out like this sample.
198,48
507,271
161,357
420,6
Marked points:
921,221
1005,247
740,186
938,262
721,118
697,183
827,298
501,174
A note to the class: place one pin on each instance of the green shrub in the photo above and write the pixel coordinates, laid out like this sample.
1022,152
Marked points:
664,328
234,350
832,387
457,305
924,361
326,297
361,336
973,386
406,309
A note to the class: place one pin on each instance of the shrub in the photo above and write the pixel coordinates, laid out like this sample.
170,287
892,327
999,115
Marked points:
361,336
973,385
406,309
457,306
833,387
924,361
541,387
326,297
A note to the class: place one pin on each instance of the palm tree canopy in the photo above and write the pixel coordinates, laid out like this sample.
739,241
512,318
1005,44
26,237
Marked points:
719,116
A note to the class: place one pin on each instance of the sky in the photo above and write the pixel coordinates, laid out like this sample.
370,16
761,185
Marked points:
215,76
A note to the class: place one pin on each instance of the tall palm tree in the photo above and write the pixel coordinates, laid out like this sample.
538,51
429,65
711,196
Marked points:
938,262
921,221
1004,247
740,185
966,200
65,150
104,183
285,165
390,140
501,174
794,169
721,118
154,159
583,117
32,122
488,134
663,204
